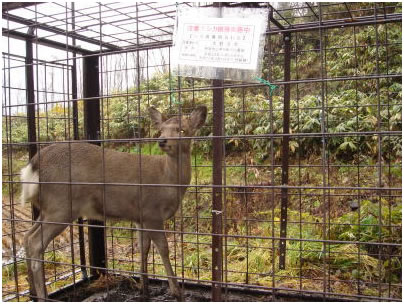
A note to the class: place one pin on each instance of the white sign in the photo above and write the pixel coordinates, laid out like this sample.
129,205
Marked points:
218,42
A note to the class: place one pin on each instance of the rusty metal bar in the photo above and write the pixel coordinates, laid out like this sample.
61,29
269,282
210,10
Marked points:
217,254
30,94
324,162
311,9
261,136
58,31
7,126
273,20
281,16
217,195
74,101
243,236
9,6
43,41
285,153
217,204
91,88
331,24
76,136
218,186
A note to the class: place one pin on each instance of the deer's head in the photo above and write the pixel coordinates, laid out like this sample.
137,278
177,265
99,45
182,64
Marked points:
174,128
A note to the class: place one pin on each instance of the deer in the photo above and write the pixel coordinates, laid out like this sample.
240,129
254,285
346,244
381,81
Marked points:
66,181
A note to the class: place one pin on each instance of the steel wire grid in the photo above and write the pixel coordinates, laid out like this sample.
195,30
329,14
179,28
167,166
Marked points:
293,204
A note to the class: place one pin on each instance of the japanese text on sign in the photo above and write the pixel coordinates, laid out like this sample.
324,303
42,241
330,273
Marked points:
218,42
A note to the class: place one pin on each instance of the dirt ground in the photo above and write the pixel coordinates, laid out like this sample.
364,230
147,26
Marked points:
126,290
22,218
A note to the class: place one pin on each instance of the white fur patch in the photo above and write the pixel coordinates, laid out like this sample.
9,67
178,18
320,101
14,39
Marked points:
29,190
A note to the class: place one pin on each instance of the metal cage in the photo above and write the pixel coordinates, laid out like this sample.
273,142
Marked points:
294,193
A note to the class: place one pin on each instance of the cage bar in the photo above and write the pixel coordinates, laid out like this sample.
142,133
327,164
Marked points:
91,89
293,195
285,152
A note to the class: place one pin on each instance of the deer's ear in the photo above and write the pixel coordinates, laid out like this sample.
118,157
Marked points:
156,117
198,117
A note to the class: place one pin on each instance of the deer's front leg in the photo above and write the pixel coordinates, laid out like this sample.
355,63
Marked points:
144,246
160,240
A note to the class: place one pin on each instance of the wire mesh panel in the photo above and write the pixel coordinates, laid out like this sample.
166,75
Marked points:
293,192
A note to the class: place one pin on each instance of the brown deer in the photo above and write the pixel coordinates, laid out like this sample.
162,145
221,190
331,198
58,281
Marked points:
94,173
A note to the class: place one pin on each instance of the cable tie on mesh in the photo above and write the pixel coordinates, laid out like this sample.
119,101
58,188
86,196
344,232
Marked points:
217,212
271,86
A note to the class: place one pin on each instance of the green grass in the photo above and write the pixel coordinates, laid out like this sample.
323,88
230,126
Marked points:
9,270
19,160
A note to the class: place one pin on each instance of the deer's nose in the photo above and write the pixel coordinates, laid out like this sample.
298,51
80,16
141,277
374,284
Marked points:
162,143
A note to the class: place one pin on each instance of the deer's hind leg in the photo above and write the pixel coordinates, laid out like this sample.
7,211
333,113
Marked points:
30,277
35,242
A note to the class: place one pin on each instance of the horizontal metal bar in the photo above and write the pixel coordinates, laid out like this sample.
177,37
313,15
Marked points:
304,166
331,24
44,42
278,276
210,186
87,53
56,30
211,234
36,91
20,58
250,85
262,247
259,247
298,192
246,219
8,6
355,106
202,138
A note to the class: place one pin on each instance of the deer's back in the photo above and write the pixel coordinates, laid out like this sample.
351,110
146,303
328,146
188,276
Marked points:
90,170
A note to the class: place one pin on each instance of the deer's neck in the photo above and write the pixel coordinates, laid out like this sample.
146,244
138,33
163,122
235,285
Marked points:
178,168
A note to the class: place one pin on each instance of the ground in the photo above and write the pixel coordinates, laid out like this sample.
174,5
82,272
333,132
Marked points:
125,289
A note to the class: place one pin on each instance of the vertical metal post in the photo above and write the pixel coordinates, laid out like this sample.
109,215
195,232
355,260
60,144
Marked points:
285,152
217,241
217,254
30,93
74,97
76,137
91,89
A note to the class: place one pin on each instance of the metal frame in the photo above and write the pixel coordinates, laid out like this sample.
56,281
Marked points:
86,28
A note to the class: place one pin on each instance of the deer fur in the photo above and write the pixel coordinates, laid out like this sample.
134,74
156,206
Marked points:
59,164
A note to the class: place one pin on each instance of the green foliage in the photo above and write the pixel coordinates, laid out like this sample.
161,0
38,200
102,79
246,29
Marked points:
348,110
371,224
8,271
